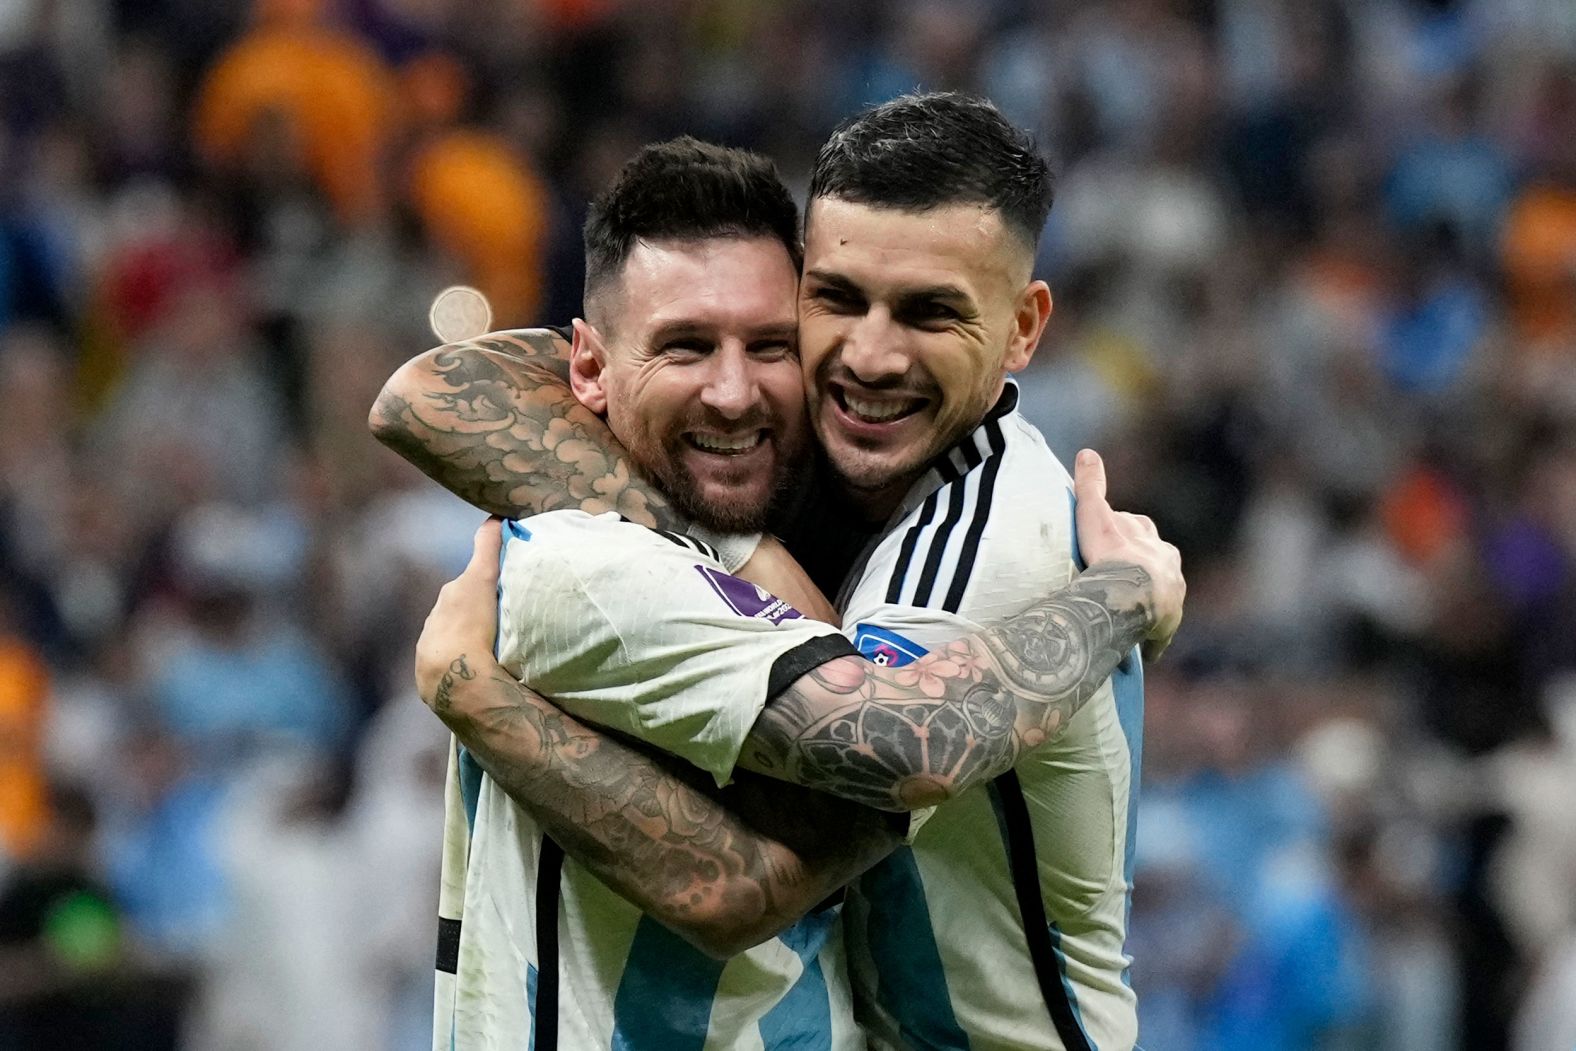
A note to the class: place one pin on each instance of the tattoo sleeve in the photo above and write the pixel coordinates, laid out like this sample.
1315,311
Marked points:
494,421
913,736
725,868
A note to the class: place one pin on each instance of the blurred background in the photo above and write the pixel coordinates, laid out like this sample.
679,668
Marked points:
1315,278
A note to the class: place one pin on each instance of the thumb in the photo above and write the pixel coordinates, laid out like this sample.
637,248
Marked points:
1093,512
484,551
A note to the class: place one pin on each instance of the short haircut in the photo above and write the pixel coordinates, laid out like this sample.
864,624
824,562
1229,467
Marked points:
919,152
685,189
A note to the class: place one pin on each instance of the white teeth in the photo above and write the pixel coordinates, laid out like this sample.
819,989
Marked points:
719,443
876,411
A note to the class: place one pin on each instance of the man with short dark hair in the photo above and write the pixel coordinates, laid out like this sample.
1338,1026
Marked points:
911,315
676,194
692,243
1003,924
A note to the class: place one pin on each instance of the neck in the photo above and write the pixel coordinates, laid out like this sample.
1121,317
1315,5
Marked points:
875,506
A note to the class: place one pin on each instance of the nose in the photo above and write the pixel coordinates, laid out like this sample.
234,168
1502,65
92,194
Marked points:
731,389
872,348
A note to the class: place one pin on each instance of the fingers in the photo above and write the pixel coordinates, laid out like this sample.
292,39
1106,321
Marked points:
463,620
1091,515
485,548
1089,477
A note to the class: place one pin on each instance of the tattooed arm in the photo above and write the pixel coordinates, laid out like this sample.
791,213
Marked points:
493,420
918,735
900,738
725,868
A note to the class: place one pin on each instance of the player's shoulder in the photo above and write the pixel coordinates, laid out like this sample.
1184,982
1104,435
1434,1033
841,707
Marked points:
1000,480
601,537
996,518
603,553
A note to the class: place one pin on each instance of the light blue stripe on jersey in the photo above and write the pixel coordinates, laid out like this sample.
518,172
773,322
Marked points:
470,786
530,1001
913,986
664,998
1072,997
1127,684
802,1019
1127,688
1072,512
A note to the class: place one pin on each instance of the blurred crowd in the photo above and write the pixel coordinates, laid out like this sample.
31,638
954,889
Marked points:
1315,277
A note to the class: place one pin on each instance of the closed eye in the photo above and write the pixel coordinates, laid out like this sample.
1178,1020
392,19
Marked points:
688,347
771,349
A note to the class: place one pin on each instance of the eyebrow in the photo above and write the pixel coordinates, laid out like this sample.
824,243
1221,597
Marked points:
684,329
826,277
941,291
949,292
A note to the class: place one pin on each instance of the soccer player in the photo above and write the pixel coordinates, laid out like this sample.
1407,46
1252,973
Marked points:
535,947
915,304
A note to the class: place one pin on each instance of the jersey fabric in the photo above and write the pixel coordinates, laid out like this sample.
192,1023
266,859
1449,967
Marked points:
642,633
1002,926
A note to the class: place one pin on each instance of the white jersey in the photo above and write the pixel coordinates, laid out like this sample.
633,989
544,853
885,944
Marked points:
643,633
1002,926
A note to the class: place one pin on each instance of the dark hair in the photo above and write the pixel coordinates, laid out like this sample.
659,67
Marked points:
919,152
687,189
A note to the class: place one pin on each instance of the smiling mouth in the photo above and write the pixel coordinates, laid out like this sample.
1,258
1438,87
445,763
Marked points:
726,444
876,410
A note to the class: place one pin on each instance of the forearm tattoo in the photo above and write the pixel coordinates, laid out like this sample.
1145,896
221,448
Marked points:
443,696
900,738
657,830
494,421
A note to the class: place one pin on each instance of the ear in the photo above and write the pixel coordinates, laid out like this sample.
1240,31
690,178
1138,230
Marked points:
587,361
1034,310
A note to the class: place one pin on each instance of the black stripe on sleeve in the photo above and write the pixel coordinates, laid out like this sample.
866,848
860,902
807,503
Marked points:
448,945
544,1016
1024,867
905,554
971,540
804,658
938,542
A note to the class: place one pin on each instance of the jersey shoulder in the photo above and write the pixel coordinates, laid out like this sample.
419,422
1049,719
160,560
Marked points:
601,538
990,533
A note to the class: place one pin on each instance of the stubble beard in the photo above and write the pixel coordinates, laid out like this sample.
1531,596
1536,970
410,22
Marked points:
728,516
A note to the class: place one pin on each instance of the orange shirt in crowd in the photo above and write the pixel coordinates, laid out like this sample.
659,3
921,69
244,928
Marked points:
24,686
1540,263
337,94
481,203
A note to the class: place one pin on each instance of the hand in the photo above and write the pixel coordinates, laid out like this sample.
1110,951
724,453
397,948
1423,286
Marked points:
1105,535
456,643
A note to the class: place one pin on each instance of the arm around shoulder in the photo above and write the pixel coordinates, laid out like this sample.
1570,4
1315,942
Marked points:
723,868
494,421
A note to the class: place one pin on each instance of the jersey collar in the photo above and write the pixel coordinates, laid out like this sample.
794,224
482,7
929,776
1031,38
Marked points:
966,454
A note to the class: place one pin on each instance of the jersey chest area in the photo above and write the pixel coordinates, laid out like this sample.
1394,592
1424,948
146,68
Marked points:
618,977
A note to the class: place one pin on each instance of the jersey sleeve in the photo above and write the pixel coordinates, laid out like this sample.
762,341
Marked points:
629,630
